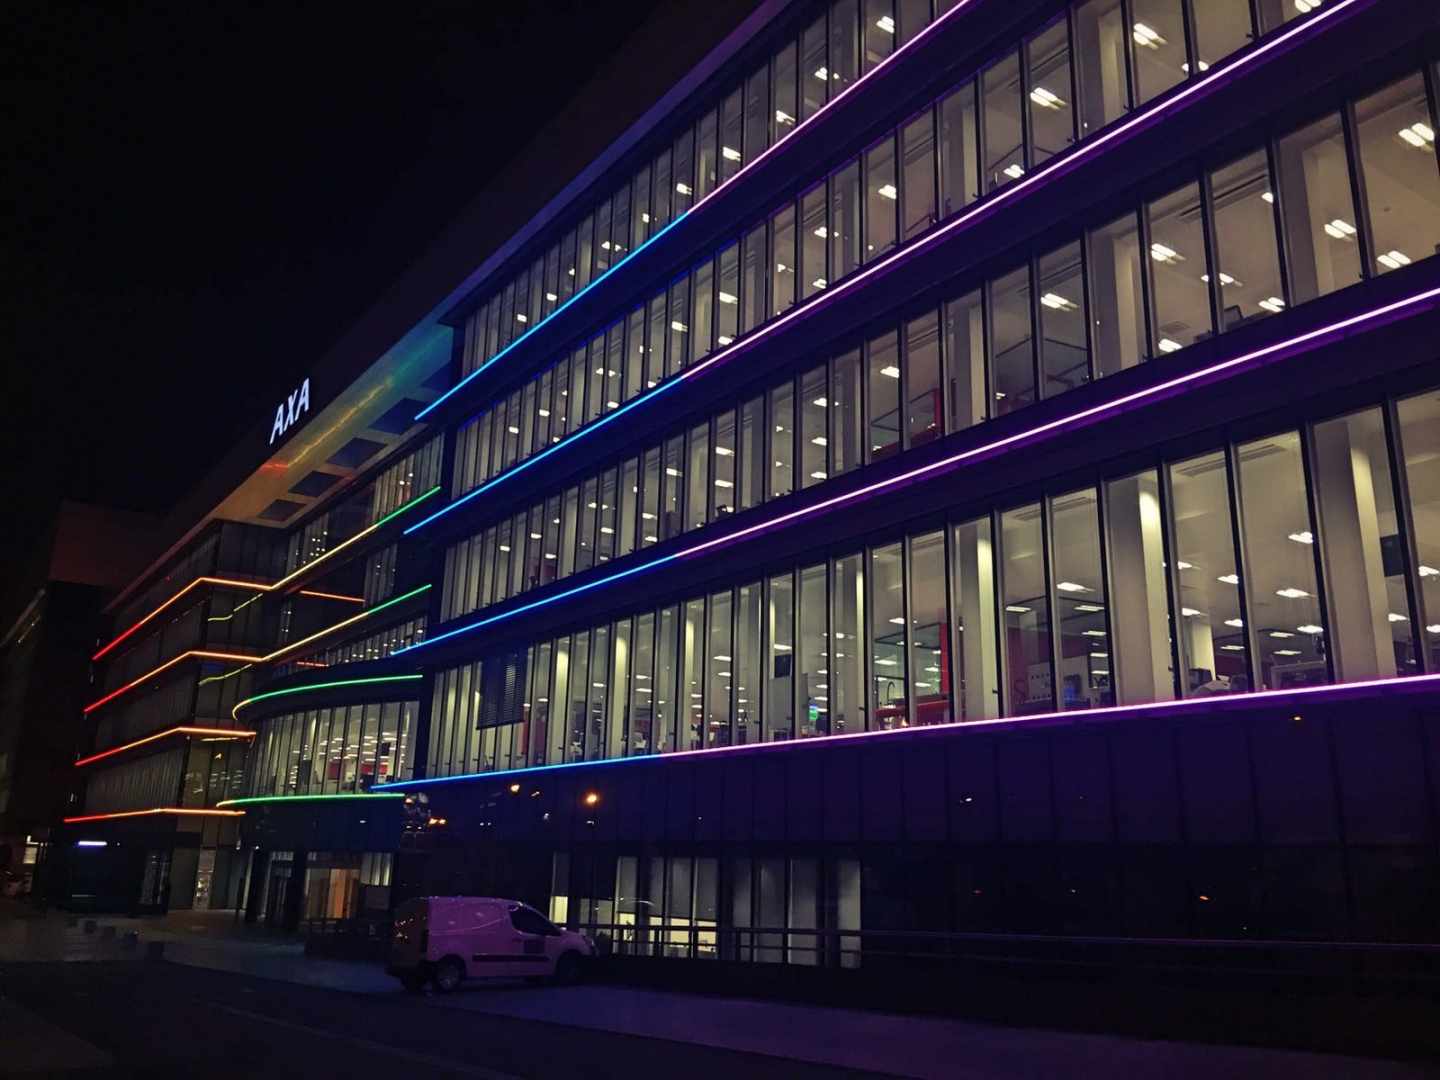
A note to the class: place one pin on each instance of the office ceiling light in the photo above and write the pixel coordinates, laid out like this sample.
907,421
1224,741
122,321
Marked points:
1273,304
1168,346
890,371
728,298
1233,648
729,153
1072,586
1014,170
1290,592
1418,135
1183,565
1147,36
1164,253
1394,260
1056,302
1433,628
1268,196
1340,229
1287,652
1089,609
887,191
886,23
1281,634
781,117
820,283
1190,612
1428,571
1018,609
1310,628
1236,623
822,73
1393,617
683,188
1304,537
1229,579
1306,6
1046,99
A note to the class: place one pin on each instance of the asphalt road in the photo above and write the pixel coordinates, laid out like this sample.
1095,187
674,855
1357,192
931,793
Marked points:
156,1020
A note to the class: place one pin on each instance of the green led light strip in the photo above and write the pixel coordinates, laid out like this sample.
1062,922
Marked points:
235,712
255,799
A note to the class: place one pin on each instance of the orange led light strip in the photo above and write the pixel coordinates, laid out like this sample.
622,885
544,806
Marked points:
225,733
178,810
204,654
264,588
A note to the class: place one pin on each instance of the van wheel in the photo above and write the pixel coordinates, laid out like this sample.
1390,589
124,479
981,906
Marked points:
567,969
414,982
449,974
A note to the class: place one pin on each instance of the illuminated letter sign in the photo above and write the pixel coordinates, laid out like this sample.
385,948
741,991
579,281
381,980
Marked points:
289,411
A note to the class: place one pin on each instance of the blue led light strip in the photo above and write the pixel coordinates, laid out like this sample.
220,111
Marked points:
1298,695
980,210
1410,305
920,35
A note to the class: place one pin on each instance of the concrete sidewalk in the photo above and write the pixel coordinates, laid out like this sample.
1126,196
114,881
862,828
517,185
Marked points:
904,1045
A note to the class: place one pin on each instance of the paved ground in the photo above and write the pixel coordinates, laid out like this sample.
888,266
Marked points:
225,1004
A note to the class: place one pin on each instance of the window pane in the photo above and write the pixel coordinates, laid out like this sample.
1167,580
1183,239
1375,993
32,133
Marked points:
747,652
887,637
913,16
1178,270
780,637
882,361
959,173
585,541
814,654
917,154
965,361
1420,449
879,19
782,259
1213,642
707,166
844,226
1101,40
1012,354
614,366
618,709
671,523
717,700
844,44
665,672
787,107
702,329
595,380
1117,302
1064,356
642,686
635,354
683,171
782,440
640,216
603,246
972,579
882,198
1052,119
599,679
813,441
1027,613
847,664
1140,664
1249,265
728,296
725,464
650,490
629,501
1318,210
692,674
1159,36
929,674
552,540
560,703
696,508
1364,556
922,373
731,135
757,112
1080,602
843,403
605,534
578,709
619,228
1221,27
1285,623
752,280
1004,151
753,463
813,236
678,331
1402,185
1275,13
814,69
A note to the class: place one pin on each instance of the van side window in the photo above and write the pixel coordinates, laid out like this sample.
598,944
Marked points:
527,922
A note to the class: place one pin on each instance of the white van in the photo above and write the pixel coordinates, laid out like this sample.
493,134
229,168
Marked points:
445,939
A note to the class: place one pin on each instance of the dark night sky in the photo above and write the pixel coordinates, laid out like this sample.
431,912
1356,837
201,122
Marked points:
206,194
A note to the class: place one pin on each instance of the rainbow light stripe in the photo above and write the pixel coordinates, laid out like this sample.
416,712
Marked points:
235,712
208,732
262,587
178,811
255,800
986,207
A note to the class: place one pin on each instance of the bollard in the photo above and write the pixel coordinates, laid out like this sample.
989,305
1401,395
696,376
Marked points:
155,950
89,926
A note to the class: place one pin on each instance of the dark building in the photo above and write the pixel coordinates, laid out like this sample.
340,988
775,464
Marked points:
970,467
53,604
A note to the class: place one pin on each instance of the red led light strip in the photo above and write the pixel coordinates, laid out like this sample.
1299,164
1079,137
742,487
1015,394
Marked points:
219,733
177,810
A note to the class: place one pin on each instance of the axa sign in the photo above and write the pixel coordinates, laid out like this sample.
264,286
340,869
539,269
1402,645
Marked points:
289,411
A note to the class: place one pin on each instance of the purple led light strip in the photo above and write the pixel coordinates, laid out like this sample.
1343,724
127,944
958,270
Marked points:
1304,693
987,206
1409,305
